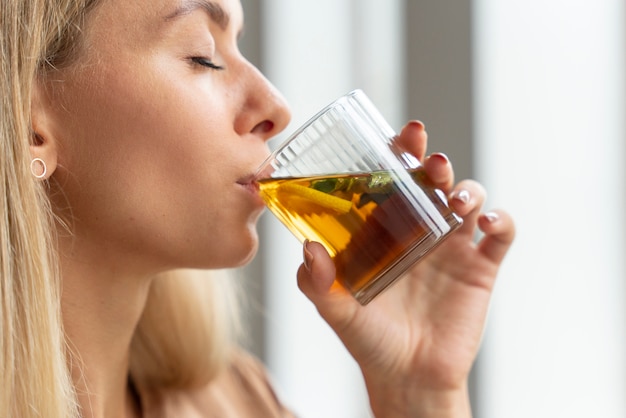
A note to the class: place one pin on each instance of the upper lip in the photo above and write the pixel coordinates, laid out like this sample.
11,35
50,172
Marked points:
247,180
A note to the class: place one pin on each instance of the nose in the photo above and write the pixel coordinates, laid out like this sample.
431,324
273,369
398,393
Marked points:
265,112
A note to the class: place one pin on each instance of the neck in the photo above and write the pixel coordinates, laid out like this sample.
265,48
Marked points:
101,309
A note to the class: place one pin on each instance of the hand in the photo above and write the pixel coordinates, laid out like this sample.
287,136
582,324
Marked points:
416,342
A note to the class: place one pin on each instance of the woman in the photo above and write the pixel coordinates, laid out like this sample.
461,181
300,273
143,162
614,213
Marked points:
129,133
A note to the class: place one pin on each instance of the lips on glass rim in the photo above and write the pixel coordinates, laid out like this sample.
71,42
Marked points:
249,182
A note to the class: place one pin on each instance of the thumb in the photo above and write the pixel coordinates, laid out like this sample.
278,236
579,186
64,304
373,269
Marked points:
316,279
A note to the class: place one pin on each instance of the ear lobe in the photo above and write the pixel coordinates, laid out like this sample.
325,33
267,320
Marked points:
43,148
43,157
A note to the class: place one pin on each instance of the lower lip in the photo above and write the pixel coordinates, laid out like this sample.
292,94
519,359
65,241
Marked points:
253,189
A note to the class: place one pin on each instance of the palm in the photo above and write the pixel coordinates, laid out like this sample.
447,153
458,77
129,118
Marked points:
429,323
427,326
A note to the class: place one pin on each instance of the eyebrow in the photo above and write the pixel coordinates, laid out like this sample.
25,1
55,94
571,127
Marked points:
214,10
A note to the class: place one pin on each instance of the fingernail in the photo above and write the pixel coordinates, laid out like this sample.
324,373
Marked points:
417,123
441,157
308,255
491,217
462,195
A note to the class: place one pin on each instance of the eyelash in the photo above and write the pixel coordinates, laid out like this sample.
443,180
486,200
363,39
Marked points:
204,62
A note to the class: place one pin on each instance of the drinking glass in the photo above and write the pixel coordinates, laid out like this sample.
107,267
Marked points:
342,180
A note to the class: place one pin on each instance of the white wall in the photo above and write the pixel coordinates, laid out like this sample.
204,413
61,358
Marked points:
550,103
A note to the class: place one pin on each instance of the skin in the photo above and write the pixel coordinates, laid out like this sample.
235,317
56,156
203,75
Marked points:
153,151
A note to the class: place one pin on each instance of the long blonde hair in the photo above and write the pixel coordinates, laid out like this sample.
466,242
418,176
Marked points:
184,345
38,37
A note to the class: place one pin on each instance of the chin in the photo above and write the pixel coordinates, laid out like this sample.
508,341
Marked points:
253,248
237,253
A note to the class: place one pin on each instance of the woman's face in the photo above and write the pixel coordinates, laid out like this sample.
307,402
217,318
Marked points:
159,125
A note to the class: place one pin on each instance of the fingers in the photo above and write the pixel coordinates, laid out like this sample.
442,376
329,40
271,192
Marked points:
413,139
316,279
317,264
499,230
467,200
439,171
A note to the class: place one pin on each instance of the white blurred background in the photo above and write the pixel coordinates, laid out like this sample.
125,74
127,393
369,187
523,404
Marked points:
527,96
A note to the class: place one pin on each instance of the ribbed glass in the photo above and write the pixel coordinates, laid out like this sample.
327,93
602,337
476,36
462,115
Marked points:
333,155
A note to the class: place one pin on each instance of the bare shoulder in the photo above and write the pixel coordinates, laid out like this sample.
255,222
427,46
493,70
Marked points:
242,389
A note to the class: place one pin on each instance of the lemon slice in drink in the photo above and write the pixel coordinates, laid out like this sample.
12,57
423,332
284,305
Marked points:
315,196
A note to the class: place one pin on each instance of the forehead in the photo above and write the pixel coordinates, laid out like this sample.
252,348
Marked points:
219,11
149,16
212,9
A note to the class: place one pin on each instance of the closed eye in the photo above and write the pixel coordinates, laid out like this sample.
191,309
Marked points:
205,62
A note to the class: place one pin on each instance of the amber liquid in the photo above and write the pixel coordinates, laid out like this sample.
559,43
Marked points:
363,221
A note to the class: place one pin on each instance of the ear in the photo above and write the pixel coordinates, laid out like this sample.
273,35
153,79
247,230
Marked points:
43,148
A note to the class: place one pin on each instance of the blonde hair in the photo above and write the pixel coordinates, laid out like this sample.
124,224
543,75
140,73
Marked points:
176,344
184,345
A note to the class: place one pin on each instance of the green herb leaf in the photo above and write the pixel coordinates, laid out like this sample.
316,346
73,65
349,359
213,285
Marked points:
326,185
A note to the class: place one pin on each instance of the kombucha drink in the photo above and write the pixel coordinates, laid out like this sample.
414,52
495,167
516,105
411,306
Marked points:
369,228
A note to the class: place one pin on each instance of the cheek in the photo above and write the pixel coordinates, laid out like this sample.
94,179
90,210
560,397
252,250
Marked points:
139,125
153,165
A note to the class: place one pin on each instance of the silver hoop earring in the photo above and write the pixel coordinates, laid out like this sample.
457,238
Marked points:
38,168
